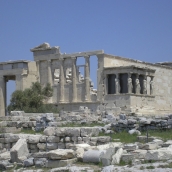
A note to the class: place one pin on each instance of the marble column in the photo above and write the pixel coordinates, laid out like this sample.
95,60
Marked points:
74,80
49,72
62,81
129,84
38,72
2,96
87,78
151,85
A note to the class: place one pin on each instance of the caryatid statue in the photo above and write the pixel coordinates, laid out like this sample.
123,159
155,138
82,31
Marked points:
117,84
130,85
151,86
137,82
145,85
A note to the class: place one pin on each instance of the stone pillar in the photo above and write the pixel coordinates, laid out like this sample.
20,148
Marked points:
49,72
137,84
2,96
151,85
87,78
38,72
144,84
62,80
117,84
129,84
74,80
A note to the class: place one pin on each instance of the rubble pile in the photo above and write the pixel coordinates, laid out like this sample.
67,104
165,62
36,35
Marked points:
59,148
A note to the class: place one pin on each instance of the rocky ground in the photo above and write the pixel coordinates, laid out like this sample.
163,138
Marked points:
83,141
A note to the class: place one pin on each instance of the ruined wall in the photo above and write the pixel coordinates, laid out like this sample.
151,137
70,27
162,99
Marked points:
162,85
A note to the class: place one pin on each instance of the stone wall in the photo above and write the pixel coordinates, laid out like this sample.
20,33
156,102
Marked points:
162,85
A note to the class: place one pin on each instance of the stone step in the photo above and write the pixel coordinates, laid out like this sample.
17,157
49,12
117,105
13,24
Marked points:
10,130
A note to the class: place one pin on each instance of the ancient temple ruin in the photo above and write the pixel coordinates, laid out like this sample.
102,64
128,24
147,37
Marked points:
123,85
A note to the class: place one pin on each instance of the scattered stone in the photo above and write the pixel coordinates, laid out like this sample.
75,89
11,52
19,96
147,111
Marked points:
19,151
92,156
61,154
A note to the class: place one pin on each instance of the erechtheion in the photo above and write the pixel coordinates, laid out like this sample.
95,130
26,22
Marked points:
123,85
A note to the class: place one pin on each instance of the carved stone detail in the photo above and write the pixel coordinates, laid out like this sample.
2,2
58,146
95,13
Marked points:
117,84
137,82
130,85
145,85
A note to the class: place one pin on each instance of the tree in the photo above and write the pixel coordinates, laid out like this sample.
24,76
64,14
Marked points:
32,99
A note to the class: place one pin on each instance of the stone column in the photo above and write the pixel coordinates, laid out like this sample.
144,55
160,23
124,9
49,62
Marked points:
117,84
151,85
62,80
87,78
2,96
74,80
129,84
49,72
144,84
38,73
137,83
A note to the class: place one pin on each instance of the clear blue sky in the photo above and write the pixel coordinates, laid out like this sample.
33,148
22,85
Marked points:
138,29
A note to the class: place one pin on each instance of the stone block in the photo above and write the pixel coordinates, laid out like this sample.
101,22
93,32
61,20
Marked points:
127,157
34,138
5,156
42,139
149,146
52,139
49,131
14,138
130,147
19,151
33,146
28,162
17,113
60,163
80,153
41,146
139,154
117,156
159,154
61,154
61,145
89,131
40,163
51,146
73,132
103,139
67,139
167,143
3,124
106,157
39,155
93,156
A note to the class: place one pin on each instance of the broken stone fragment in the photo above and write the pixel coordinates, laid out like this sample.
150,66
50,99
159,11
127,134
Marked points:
49,131
117,156
19,151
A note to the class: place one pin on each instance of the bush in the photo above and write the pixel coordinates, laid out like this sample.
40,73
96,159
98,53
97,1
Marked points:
32,100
